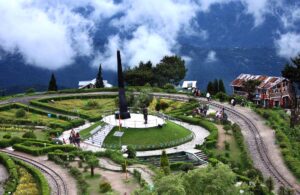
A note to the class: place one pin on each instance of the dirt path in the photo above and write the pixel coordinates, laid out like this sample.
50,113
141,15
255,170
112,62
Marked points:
3,176
221,137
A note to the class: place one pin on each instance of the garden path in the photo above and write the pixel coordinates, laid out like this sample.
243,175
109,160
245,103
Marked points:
3,176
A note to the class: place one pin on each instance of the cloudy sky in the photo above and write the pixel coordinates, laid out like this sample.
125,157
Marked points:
51,34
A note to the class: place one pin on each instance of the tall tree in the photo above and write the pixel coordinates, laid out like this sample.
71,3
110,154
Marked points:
250,86
291,71
216,87
210,87
52,83
99,79
270,184
221,86
171,69
140,75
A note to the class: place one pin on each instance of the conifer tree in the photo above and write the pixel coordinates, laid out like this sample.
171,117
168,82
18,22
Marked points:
99,79
215,87
221,86
210,87
52,84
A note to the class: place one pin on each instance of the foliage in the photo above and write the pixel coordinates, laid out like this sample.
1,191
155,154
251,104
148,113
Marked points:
20,113
270,184
164,163
105,187
12,181
131,152
52,84
140,75
222,97
42,183
208,180
29,134
168,86
92,162
91,104
30,91
99,78
7,136
81,182
221,86
187,167
250,86
287,138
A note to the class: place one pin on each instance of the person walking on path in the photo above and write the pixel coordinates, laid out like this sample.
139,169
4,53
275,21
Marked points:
208,96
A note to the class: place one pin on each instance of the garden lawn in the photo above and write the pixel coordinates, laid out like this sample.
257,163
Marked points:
11,114
80,106
40,135
149,136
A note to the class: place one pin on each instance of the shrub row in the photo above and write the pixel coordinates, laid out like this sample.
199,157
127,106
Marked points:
12,182
247,161
81,182
36,151
38,176
112,89
64,156
63,111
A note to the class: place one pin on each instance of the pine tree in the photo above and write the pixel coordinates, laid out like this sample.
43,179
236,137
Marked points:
221,86
99,79
52,84
210,87
215,87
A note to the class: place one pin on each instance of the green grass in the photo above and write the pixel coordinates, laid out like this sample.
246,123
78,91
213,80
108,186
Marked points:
86,132
80,106
40,135
10,114
149,136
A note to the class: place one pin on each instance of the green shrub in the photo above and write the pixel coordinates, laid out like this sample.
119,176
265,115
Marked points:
91,104
29,134
168,86
81,182
20,113
12,182
7,136
131,152
222,97
105,187
186,167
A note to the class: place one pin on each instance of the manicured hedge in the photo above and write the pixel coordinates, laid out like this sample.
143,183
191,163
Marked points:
61,155
38,176
36,151
73,123
12,182
81,181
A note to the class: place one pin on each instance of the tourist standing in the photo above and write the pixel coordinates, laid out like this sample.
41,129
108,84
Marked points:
208,96
77,139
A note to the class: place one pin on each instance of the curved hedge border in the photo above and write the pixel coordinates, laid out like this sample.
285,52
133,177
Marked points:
36,151
156,146
38,176
13,180
73,122
41,104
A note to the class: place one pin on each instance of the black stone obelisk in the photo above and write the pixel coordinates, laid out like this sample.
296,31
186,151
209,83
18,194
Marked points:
123,109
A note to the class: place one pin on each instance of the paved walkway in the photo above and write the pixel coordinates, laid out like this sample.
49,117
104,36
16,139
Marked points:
3,176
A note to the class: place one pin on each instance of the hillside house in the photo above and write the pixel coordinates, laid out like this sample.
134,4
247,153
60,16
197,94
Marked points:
92,84
272,91
189,84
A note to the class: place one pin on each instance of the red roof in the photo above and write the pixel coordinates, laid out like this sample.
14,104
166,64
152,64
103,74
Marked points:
267,82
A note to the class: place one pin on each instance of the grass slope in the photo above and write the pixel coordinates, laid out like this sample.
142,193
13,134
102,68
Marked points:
149,136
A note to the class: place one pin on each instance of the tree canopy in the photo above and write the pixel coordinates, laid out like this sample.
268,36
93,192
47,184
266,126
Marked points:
216,86
250,86
171,69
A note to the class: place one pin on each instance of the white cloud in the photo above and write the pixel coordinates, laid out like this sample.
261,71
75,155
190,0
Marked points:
49,38
153,28
211,57
288,45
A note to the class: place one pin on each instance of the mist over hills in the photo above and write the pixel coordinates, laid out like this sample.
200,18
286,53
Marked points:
218,39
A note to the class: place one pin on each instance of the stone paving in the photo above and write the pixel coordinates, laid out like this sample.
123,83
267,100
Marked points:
3,176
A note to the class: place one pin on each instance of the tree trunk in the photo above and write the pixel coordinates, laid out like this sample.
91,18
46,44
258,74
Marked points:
92,171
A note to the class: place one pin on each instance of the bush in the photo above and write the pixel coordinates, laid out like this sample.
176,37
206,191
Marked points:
105,187
12,181
91,104
20,113
7,136
222,97
131,152
186,167
81,183
29,134
168,86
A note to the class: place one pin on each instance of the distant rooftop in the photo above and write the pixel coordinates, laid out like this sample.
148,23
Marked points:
267,82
